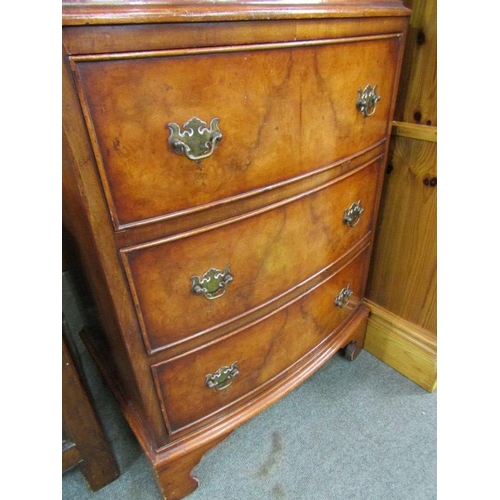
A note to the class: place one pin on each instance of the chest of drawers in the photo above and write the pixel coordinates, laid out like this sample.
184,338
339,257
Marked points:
222,169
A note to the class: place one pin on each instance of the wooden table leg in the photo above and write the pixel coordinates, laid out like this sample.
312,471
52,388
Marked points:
84,443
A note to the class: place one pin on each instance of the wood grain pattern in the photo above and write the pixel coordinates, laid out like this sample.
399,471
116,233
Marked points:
413,131
296,118
171,459
86,220
403,277
262,351
404,271
237,207
417,97
283,80
78,12
405,347
79,40
268,254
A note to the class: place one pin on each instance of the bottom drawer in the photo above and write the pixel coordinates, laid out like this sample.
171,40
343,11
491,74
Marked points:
211,379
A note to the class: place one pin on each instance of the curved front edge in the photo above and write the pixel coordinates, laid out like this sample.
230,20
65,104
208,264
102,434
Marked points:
174,462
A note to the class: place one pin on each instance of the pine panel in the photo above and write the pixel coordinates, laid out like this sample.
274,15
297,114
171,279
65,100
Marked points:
417,97
403,278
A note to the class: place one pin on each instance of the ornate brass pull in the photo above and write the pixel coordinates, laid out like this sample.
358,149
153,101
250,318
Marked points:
212,284
342,299
353,213
222,378
196,141
367,100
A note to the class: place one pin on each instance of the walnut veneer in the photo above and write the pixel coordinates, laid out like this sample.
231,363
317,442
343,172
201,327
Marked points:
278,207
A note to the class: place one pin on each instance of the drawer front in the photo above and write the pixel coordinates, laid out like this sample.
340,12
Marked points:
268,254
261,351
275,125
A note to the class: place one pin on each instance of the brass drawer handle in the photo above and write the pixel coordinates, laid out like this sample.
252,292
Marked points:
367,100
196,141
353,213
342,299
222,378
212,284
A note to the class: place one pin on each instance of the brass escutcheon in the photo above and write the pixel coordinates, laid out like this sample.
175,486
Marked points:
342,299
353,213
196,141
222,378
367,100
212,284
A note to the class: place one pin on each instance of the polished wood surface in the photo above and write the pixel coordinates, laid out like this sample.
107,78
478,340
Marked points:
279,117
79,40
78,12
269,203
263,350
259,201
268,254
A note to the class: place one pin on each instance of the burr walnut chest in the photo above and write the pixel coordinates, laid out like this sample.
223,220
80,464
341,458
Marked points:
222,169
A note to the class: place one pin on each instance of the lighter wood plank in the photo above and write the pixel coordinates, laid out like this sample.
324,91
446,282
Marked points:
414,131
402,330
404,346
417,97
404,272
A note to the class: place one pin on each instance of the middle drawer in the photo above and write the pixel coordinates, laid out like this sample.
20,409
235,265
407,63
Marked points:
245,263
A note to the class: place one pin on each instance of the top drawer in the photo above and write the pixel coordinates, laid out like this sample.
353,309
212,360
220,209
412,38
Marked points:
275,124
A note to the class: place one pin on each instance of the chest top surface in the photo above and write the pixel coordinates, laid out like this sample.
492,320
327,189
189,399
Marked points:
85,12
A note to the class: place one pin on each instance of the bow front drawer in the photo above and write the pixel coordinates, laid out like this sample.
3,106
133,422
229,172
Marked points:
177,131
205,381
241,266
